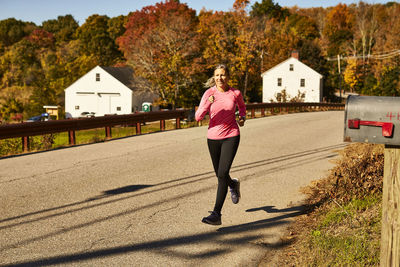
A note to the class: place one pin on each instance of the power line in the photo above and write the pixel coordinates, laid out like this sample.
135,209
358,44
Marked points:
380,56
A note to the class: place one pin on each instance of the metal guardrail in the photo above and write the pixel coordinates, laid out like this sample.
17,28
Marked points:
290,105
26,129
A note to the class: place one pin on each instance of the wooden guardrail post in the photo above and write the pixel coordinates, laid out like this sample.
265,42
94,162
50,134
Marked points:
253,113
390,236
71,138
162,125
178,123
108,132
25,143
138,128
262,112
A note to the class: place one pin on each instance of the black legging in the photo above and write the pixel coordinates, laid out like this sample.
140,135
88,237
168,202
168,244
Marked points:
222,154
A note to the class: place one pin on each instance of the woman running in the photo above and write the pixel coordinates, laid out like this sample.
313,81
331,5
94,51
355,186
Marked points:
223,135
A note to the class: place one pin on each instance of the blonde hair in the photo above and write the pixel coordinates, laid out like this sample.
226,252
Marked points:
211,81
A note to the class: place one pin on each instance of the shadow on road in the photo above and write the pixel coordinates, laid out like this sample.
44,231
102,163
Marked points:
294,211
210,174
126,189
130,191
271,209
223,236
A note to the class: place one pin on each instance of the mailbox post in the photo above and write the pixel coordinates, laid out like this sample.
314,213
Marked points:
372,119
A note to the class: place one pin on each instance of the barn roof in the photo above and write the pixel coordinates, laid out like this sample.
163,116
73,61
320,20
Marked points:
122,74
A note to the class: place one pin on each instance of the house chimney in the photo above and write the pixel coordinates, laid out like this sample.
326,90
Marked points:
295,54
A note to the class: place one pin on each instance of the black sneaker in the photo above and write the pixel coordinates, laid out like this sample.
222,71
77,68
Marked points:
235,191
214,219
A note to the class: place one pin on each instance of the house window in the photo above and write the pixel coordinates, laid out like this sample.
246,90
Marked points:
279,81
118,108
76,107
97,77
302,82
291,67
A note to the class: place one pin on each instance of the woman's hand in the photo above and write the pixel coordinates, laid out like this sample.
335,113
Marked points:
241,121
211,99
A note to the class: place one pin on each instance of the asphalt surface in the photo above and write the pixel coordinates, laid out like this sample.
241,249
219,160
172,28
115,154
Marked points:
139,201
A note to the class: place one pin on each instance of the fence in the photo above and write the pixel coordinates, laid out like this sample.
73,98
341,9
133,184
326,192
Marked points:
27,129
278,107
24,130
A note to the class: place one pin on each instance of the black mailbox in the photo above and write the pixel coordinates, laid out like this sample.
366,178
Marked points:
372,119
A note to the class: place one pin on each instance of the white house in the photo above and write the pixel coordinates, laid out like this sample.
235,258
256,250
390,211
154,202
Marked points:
105,90
295,77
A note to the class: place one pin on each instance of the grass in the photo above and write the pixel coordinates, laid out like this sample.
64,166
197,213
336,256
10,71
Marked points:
338,214
343,224
98,135
348,235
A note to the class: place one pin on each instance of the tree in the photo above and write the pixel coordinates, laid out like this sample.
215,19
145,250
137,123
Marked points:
12,31
302,26
365,32
352,75
116,27
389,83
161,44
17,63
281,38
246,57
96,41
9,106
339,29
218,31
41,38
387,38
268,9
240,4
247,61
63,28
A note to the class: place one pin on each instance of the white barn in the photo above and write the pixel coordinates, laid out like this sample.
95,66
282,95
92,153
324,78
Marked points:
105,90
295,77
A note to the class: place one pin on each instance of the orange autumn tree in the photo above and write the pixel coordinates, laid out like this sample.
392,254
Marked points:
232,38
161,44
218,31
339,23
240,4
248,52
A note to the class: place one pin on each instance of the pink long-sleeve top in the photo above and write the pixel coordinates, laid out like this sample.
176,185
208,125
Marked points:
222,112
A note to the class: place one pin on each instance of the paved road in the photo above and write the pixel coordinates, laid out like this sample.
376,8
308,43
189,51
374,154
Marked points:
139,201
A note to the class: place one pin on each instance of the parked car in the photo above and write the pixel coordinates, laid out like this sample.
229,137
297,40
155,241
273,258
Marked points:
87,114
41,117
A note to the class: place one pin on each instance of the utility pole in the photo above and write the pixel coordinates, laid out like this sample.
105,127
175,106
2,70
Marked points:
390,236
340,77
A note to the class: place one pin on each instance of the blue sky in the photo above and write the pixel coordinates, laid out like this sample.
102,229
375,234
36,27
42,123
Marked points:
38,11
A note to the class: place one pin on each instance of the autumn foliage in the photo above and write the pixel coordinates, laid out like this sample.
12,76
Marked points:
161,44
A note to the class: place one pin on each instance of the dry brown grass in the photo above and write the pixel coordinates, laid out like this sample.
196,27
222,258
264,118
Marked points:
342,224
